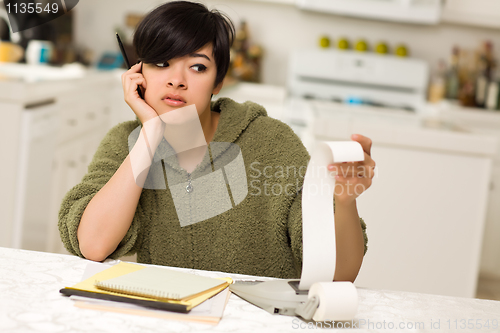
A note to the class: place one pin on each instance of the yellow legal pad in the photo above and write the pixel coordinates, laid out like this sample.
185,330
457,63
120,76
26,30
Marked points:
122,282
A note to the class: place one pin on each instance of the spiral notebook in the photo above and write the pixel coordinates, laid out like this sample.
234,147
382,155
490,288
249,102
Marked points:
87,288
161,284
208,312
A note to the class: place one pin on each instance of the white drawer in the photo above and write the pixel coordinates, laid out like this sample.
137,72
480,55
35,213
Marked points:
83,112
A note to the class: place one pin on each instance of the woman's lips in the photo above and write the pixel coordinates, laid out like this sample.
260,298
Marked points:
173,102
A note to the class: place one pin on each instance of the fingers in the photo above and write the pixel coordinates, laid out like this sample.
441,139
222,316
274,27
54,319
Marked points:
364,141
353,178
136,68
134,71
364,169
130,86
131,79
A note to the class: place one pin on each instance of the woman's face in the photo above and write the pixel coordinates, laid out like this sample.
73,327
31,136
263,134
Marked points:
181,82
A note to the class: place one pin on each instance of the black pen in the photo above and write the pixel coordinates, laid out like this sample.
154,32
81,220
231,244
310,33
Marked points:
122,49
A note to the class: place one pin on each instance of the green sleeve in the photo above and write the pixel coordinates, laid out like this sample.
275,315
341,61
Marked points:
295,230
111,153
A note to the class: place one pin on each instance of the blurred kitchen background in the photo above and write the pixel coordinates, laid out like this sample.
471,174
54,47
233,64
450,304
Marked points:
419,77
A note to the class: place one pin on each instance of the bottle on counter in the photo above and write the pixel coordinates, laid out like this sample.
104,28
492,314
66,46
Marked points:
467,76
493,95
481,85
437,87
452,77
245,57
493,92
482,78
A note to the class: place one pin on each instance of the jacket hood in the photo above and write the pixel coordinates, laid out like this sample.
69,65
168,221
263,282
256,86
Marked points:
234,118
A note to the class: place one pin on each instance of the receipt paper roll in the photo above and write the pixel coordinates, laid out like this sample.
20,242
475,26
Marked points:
337,300
318,221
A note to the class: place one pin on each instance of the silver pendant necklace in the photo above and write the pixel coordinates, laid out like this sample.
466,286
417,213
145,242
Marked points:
189,187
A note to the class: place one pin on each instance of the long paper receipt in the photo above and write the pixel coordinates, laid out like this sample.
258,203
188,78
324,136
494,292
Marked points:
318,221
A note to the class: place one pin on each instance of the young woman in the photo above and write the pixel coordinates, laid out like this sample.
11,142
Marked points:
183,50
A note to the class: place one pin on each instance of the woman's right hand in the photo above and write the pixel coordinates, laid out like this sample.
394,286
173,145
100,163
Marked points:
131,79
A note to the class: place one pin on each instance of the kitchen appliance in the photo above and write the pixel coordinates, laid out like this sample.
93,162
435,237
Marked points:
39,122
359,78
324,82
409,11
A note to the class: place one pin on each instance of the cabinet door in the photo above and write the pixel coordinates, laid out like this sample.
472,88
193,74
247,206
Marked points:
66,171
70,166
490,259
425,221
472,12
37,146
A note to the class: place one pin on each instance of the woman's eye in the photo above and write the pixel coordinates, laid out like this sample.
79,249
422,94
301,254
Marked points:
162,64
199,67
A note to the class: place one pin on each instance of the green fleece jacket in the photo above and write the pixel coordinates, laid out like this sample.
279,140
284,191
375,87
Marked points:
261,235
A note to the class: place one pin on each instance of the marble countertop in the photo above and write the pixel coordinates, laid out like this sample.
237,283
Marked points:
30,302
28,84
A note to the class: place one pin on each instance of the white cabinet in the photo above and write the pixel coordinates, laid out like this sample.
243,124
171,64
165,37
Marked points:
485,123
283,2
490,260
484,13
36,146
408,11
70,165
85,119
52,130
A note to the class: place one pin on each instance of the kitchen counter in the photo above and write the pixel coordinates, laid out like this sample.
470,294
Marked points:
401,129
31,302
32,84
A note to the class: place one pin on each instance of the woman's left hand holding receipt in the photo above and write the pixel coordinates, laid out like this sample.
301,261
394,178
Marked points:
109,214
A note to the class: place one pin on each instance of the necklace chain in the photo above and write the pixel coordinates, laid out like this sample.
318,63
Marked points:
189,187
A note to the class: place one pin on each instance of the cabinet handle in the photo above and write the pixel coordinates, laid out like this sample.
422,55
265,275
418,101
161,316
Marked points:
71,163
72,122
91,116
38,104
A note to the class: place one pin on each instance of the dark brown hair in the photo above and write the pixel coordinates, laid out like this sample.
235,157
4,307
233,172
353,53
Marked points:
179,28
